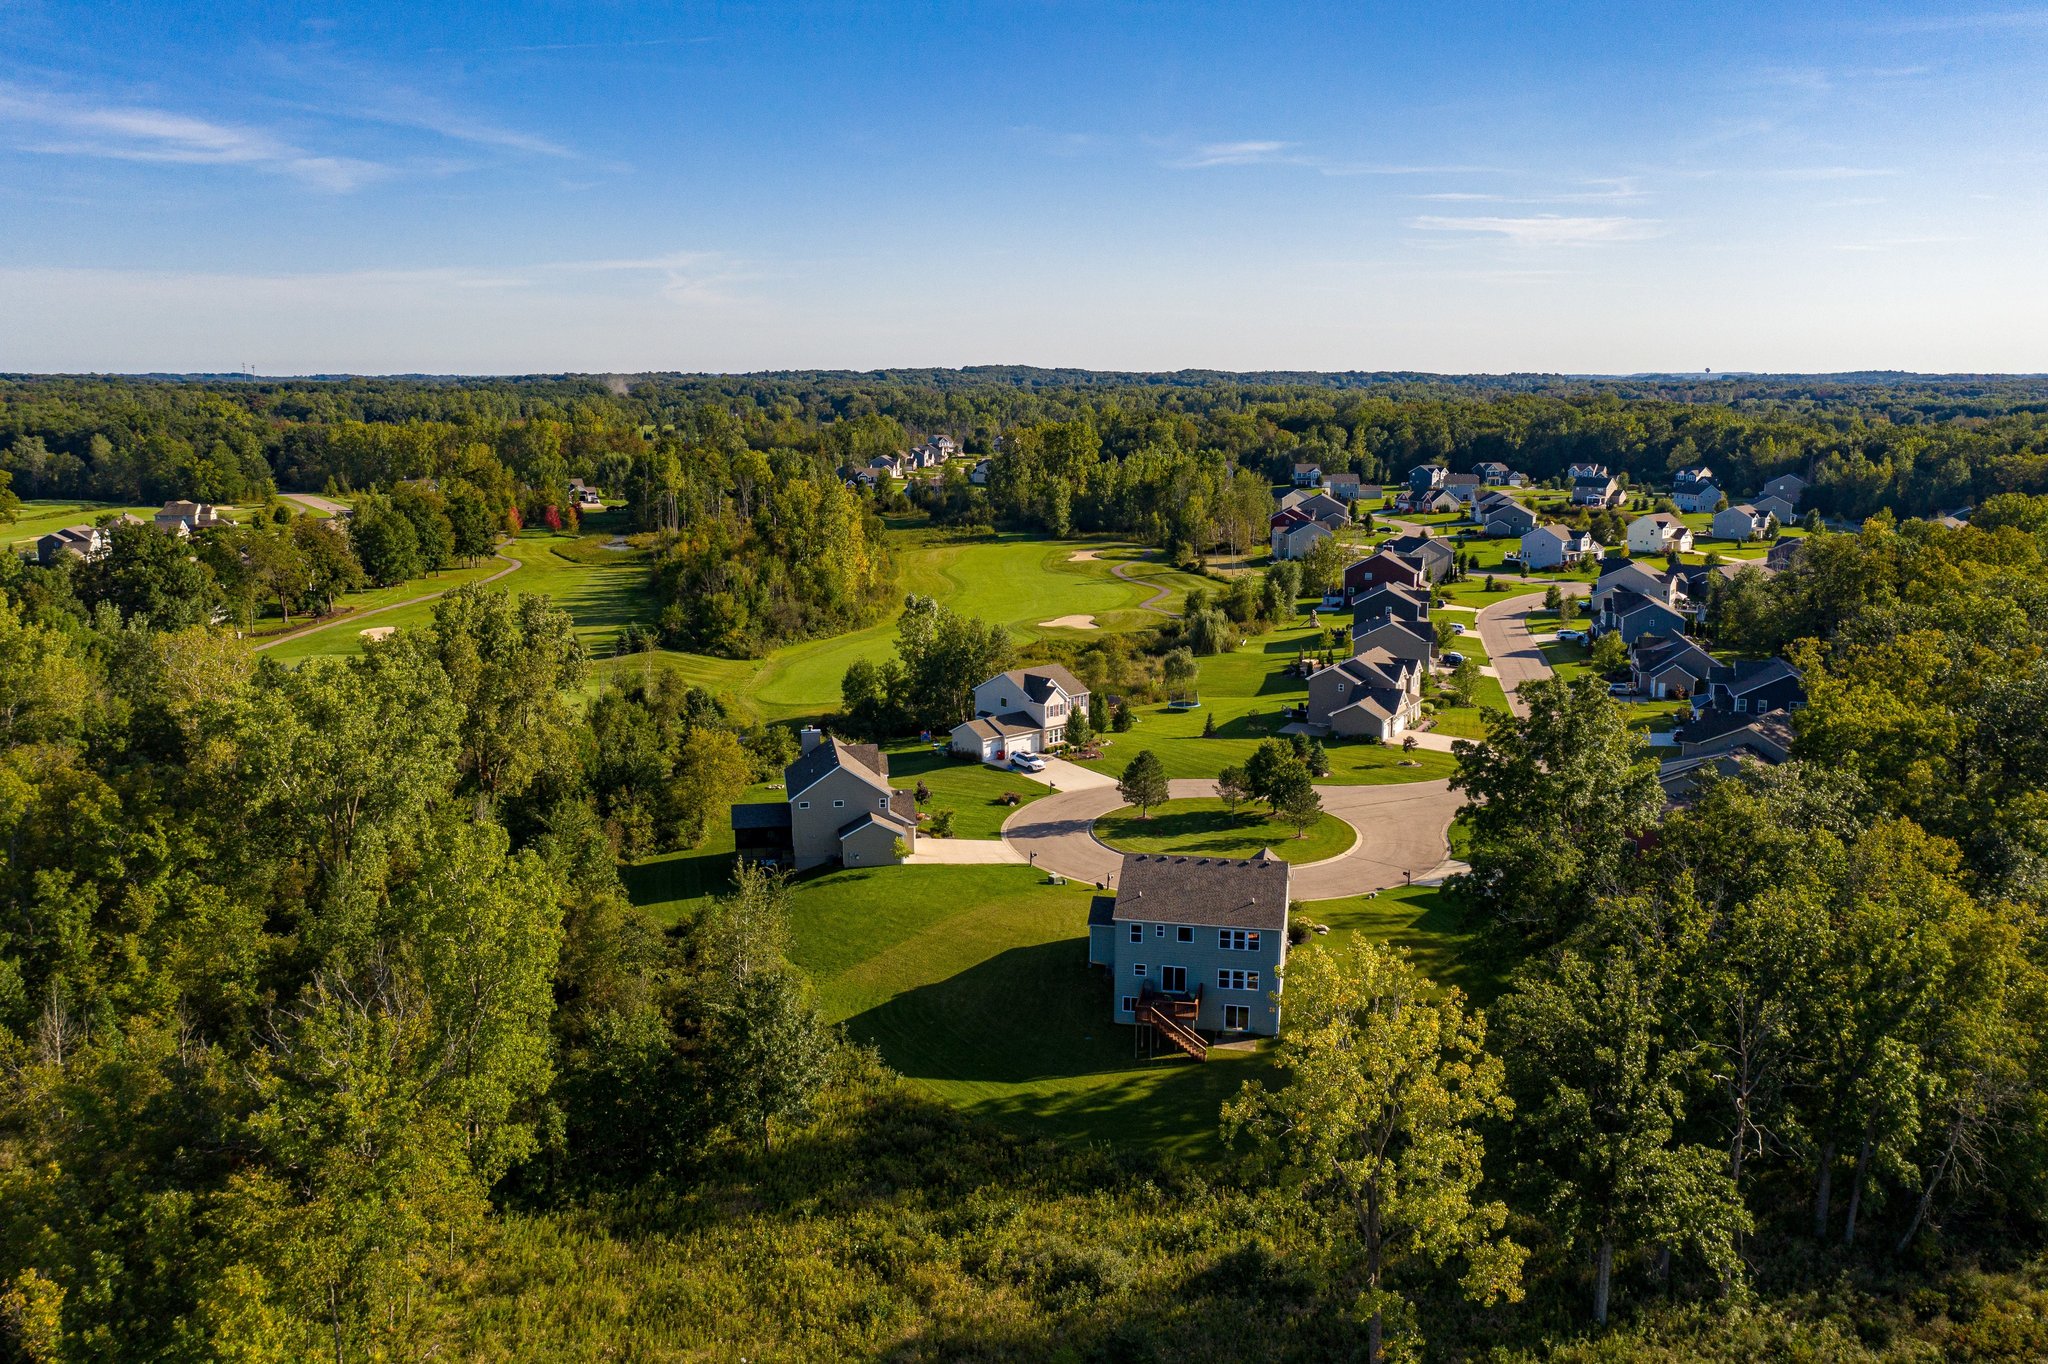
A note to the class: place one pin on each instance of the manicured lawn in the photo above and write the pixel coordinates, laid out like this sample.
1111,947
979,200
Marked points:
1020,582
40,516
1204,828
972,791
601,589
1469,722
974,983
1427,921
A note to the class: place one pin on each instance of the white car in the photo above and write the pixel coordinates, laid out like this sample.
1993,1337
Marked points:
1571,636
1028,762
1457,629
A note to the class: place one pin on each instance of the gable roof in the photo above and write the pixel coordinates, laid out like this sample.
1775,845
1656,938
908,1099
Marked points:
1214,892
1417,547
863,760
998,726
1038,680
1749,674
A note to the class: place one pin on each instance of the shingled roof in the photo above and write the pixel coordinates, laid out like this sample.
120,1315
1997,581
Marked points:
1213,892
863,760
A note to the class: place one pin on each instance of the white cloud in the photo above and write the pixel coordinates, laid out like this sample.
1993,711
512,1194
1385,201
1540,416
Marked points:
1831,173
1246,153
1544,229
56,125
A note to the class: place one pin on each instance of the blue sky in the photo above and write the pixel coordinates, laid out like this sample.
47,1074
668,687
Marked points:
523,187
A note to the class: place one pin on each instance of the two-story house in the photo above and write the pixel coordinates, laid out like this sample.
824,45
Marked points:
1555,546
1501,515
839,809
1346,488
1659,533
1492,471
1423,477
1790,487
1024,710
1751,686
1396,620
1294,532
1433,557
84,542
1373,694
1594,486
1743,522
1308,475
184,518
1194,946
1668,667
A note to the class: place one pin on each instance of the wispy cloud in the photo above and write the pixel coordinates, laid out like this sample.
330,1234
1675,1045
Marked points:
1898,243
1831,172
344,89
1544,229
1246,153
53,124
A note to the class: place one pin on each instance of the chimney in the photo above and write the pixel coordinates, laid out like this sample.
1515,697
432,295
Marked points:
812,736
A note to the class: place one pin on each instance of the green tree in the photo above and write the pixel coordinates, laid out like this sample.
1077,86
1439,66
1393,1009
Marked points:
508,661
1609,653
1297,801
1231,788
1599,1090
471,522
1375,1126
712,772
1555,802
385,542
1144,782
1180,671
330,561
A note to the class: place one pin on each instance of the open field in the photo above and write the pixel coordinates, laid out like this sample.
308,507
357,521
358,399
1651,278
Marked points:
40,516
1013,580
1205,828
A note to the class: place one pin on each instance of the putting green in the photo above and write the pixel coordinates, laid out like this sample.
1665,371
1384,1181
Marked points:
1206,828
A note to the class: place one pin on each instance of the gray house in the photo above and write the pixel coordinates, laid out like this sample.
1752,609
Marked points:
1554,546
840,809
1194,946
1373,694
1743,521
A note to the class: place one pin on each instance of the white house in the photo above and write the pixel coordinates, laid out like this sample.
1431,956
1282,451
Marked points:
978,476
1554,546
183,518
1658,533
1024,710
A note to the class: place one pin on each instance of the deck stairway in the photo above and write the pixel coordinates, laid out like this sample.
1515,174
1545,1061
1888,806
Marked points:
1173,1019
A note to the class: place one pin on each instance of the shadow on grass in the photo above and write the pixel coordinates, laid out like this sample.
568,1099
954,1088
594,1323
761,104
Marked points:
1034,1024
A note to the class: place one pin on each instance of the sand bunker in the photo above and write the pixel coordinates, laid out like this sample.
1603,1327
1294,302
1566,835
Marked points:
377,632
1068,623
1083,555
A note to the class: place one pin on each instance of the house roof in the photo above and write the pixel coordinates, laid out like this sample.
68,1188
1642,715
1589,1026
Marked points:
1101,910
872,819
1039,680
1417,546
1751,673
1655,651
998,726
766,814
863,760
1658,519
1215,892
1461,480
1382,703
1392,598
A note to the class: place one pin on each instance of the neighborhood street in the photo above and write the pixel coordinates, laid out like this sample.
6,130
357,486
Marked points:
1401,835
1504,629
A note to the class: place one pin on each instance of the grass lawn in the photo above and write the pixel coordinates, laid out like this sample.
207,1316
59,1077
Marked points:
1204,828
974,983
1018,581
40,516
601,589
1429,923
970,790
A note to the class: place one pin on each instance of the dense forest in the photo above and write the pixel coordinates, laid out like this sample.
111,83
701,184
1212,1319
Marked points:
1911,443
327,1027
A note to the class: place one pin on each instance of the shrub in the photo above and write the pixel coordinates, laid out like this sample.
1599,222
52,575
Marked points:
942,823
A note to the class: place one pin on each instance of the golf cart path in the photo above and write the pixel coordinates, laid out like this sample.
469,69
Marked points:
1150,603
317,503
1401,835
511,566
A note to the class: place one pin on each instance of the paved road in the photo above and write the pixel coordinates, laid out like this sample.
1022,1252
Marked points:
354,617
317,503
1401,835
1504,629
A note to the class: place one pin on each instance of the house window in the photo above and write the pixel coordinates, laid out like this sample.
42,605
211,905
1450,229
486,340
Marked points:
1129,1004
1228,979
1138,968
803,805
1159,930
1137,932
1184,933
838,804
1237,940
1236,1017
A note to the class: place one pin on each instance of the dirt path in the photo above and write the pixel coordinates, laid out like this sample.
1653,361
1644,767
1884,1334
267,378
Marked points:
353,617
1150,603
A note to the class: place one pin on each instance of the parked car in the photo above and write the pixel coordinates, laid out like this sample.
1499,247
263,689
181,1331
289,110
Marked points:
1457,629
1028,762
1621,689
1571,636
1454,659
